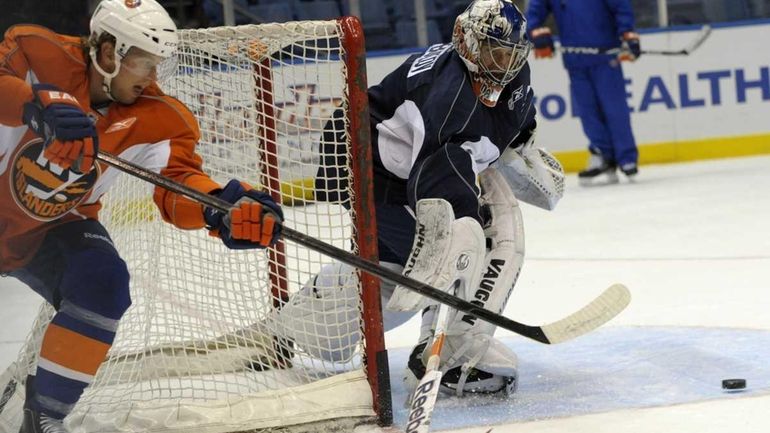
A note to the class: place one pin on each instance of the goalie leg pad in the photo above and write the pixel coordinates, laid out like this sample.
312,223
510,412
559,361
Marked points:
317,313
326,308
502,264
444,252
469,342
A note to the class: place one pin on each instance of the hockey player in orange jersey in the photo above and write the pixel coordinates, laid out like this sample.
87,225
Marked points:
62,99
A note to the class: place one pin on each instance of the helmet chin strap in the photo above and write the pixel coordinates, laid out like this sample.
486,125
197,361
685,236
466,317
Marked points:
106,76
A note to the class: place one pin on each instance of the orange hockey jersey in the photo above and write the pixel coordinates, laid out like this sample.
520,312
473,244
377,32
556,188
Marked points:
157,132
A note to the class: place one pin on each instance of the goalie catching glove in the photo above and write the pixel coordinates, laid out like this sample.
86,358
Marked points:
254,221
534,175
69,134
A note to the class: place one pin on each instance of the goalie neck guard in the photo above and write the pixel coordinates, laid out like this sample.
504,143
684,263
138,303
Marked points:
491,38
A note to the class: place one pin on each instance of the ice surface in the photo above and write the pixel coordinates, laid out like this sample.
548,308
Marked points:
691,241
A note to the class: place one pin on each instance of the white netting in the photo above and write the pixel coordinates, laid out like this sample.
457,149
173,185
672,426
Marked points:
195,351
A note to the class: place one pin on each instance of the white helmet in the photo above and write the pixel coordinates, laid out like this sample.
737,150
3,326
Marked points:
134,23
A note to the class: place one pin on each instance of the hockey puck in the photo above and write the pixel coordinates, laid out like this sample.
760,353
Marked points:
733,384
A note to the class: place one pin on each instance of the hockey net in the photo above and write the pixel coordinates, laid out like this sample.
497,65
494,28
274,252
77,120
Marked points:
195,351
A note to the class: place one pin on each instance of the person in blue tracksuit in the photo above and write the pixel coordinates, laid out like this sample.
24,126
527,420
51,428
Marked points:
596,80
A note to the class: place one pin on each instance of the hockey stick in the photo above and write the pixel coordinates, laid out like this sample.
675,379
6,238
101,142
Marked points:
424,396
608,305
694,44
704,33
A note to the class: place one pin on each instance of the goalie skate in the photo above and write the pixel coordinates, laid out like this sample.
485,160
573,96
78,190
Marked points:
493,372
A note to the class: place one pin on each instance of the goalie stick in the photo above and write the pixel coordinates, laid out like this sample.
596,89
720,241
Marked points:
692,46
424,396
599,311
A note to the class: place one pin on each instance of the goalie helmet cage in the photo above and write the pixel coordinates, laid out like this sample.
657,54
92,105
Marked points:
199,349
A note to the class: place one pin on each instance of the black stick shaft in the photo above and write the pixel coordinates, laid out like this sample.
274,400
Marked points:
533,332
694,44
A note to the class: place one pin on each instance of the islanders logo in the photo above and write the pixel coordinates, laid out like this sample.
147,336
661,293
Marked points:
43,190
133,3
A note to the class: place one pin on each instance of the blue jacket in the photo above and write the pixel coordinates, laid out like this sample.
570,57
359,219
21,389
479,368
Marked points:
584,23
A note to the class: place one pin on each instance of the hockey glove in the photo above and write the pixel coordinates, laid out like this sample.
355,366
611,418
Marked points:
254,222
543,41
70,137
630,49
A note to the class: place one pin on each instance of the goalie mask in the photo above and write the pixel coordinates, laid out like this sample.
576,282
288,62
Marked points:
142,24
491,38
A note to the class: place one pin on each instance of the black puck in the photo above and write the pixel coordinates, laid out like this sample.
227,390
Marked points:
734,384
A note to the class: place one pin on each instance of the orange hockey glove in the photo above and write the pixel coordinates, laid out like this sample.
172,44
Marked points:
254,222
70,137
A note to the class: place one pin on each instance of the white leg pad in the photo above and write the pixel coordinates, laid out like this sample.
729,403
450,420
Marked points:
327,304
445,251
326,307
503,261
469,343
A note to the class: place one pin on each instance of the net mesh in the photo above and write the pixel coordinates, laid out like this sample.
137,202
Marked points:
198,334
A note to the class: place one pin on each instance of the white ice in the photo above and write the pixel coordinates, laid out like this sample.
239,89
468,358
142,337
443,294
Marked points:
691,241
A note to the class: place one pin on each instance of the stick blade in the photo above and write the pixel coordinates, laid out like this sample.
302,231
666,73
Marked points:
603,309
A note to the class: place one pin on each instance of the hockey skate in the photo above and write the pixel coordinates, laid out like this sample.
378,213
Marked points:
600,171
36,422
459,380
630,169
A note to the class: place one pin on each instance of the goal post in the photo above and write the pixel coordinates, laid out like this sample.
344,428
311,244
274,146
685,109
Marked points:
198,351
361,163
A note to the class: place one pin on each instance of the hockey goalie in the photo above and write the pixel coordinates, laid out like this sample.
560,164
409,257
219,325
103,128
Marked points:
453,134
